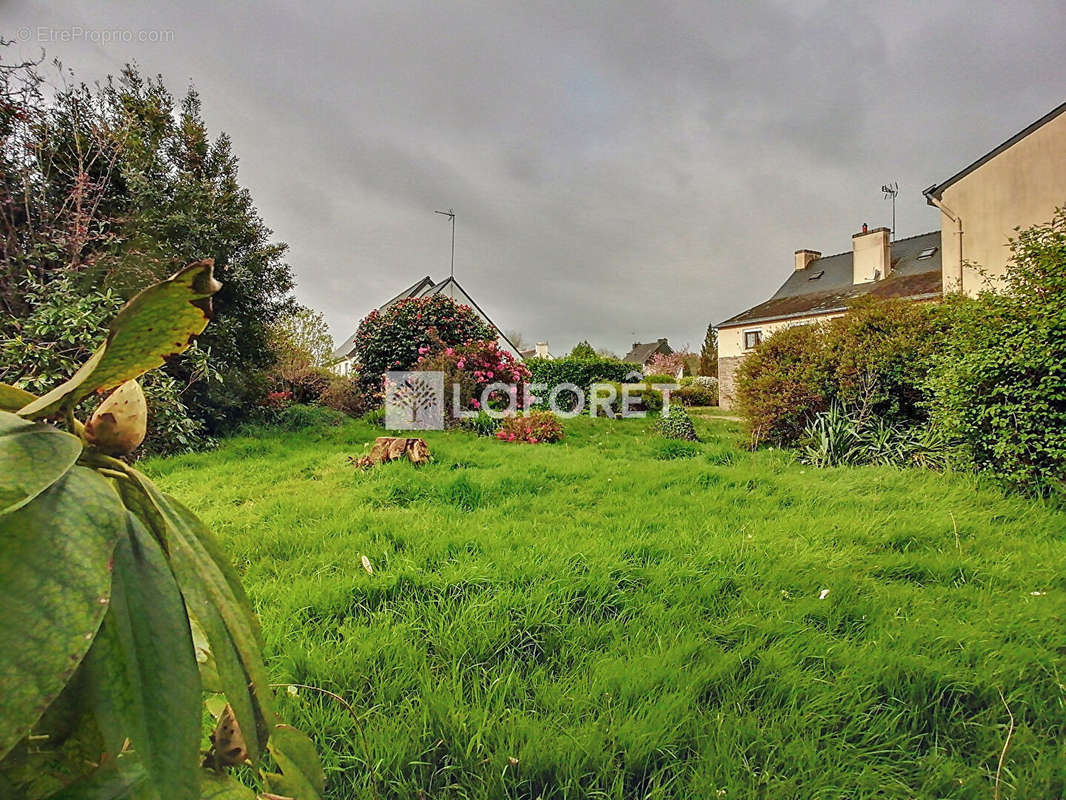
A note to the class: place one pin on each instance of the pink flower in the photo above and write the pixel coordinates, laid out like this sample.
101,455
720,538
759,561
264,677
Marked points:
450,351
489,373
475,403
460,363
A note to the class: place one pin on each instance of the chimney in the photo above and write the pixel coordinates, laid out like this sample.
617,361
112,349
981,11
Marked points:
804,258
871,258
542,349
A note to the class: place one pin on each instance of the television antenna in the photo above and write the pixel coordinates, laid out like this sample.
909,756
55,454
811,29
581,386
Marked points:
450,214
890,190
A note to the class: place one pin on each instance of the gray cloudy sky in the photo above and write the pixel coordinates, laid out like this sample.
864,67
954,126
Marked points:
620,170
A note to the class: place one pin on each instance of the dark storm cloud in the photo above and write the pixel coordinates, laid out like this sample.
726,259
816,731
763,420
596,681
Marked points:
620,170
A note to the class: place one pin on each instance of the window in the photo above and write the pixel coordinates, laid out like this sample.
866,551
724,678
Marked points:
752,339
816,275
926,253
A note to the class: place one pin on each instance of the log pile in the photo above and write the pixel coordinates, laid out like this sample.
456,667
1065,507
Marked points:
394,448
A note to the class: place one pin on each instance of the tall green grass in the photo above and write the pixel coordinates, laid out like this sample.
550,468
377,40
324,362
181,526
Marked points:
612,618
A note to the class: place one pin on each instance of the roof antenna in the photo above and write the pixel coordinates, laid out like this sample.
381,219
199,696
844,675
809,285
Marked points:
890,191
451,286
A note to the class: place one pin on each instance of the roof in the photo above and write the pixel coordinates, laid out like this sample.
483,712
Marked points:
642,352
825,286
426,288
937,190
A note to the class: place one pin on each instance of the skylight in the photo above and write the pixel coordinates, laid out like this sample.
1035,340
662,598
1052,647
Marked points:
926,253
816,275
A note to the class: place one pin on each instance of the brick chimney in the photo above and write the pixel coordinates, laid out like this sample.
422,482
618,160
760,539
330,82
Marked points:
804,258
871,255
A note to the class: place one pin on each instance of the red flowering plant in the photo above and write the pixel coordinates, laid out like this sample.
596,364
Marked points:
534,427
394,339
278,400
473,367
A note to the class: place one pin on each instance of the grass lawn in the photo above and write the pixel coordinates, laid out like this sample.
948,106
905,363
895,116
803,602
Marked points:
619,616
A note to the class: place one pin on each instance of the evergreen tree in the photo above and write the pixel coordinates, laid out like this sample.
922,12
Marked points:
709,353
583,350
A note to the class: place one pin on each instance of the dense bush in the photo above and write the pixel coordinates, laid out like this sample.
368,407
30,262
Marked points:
641,398
873,360
880,353
61,325
343,394
783,383
391,340
582,372
472,368
999,382
698,394
534,427
837,437
677,425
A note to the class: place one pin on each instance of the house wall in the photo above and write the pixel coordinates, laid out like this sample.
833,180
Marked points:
731,349
1020,187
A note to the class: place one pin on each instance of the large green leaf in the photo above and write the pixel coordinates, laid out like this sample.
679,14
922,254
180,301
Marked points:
55,581
33,456
220,786
298,759
160,321
216,602
143,673
122,778
12,398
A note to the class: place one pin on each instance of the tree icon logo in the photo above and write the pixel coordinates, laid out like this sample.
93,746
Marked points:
414,401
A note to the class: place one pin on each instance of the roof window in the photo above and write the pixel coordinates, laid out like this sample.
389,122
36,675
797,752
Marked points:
928,252
816,275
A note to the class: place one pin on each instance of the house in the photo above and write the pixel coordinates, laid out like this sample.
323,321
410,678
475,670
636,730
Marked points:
540,351
343,356
642,353
1018,184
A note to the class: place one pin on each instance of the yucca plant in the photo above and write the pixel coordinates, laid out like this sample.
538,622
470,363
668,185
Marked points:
122,617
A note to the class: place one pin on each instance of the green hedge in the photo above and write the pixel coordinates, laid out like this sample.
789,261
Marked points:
582,372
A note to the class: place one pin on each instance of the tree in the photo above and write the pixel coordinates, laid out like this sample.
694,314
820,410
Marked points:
113,186
583,350
398,337
709,353
517,339
301,338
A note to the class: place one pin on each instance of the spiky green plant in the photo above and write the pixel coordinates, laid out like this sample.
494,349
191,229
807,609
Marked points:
121,613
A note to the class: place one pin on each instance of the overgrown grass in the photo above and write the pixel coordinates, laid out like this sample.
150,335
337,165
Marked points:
610,617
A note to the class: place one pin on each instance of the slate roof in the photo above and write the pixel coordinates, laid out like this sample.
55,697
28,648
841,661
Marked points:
825,285
937,190
642,352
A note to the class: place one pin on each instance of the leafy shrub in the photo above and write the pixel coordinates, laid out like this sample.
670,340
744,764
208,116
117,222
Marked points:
999,381
62,327
391,340
641,398
343,394
697,394
582,372
473,367
482,424
880,353
534,427
783,384
660,377
305,383
677,425
838,437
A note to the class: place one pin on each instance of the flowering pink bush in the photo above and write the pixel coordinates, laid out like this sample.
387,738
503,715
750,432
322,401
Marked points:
475,365
535,427
668,364
278,400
